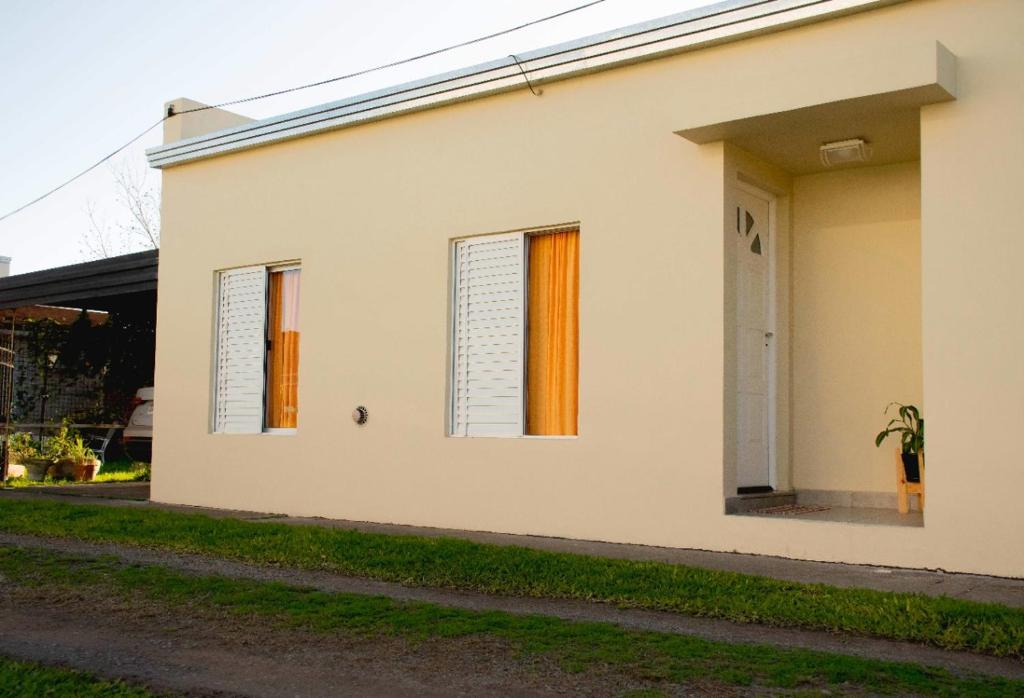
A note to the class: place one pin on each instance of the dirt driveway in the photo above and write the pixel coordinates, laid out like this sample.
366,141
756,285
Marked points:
199,653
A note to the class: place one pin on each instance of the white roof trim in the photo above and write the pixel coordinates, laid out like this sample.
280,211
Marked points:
722,22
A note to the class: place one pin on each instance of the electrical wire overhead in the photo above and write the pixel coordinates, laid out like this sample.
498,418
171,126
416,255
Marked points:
319,83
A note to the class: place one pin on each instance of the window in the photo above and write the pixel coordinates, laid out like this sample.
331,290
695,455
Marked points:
515,336
257,355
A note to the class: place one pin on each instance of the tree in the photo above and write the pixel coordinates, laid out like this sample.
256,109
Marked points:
137,225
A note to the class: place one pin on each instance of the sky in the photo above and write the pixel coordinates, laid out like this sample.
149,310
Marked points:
79,79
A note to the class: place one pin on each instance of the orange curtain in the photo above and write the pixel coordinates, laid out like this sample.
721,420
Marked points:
552,369
283,354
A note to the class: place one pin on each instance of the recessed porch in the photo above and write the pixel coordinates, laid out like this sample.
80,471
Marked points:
822,298
839,340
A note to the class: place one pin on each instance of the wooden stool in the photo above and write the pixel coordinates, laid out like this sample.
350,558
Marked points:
903,488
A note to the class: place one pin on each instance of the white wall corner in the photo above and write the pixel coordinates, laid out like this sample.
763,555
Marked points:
945,69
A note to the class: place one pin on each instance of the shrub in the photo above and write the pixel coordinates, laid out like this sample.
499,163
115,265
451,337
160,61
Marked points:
23,447
67,445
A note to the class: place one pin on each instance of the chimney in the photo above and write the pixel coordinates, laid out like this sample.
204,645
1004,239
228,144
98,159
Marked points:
5,267
187,118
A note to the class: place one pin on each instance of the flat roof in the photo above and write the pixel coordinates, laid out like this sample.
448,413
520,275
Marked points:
686,31
99,285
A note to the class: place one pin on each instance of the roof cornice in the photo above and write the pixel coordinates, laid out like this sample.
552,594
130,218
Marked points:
686,31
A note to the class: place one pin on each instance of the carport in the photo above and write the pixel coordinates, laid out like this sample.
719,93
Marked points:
121,288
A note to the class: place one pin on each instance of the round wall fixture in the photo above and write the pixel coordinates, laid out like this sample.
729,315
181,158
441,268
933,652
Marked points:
360,415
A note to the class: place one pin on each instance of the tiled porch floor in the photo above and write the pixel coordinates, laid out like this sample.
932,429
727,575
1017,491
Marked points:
856,515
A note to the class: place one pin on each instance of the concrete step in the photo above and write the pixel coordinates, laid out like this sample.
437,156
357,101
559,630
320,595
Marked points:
746,502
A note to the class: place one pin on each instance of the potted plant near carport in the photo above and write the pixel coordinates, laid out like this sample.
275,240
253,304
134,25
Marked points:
25,451
910,427
70,456
83,460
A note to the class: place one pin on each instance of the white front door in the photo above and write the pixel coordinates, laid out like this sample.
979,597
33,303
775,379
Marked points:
754,338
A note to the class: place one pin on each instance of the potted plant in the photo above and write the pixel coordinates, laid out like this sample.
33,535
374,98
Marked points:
70,456
25,451
83,461
909,425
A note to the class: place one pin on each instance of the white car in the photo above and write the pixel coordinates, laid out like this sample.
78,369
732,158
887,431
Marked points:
138,434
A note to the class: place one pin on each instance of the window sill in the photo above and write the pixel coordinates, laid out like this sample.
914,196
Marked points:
280,432
538,437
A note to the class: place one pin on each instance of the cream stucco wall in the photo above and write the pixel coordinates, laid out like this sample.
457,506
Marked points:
370,212
856,321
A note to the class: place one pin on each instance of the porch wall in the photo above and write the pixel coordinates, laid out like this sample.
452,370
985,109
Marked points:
856,322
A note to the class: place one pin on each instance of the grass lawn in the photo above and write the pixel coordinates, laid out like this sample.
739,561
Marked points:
458,564
121,470
576,646
27,680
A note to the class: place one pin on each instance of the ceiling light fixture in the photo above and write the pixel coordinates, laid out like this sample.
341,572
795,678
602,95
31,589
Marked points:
844,152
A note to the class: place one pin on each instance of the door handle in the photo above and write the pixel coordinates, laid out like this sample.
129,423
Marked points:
769,335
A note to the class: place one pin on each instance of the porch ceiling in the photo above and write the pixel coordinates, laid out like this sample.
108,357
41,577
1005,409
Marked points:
888,119
791,140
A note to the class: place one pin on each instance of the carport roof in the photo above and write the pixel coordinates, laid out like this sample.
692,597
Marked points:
105,284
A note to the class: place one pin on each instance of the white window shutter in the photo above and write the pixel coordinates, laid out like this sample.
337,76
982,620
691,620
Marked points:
487,383
241,347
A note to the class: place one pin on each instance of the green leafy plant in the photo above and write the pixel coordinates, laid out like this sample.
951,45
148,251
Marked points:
23,447
79,452
67,445
908,425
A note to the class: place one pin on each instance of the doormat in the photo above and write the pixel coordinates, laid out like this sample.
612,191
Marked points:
788,510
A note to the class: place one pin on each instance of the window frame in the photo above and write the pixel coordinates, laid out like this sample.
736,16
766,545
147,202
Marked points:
453,290
267,268
271,269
